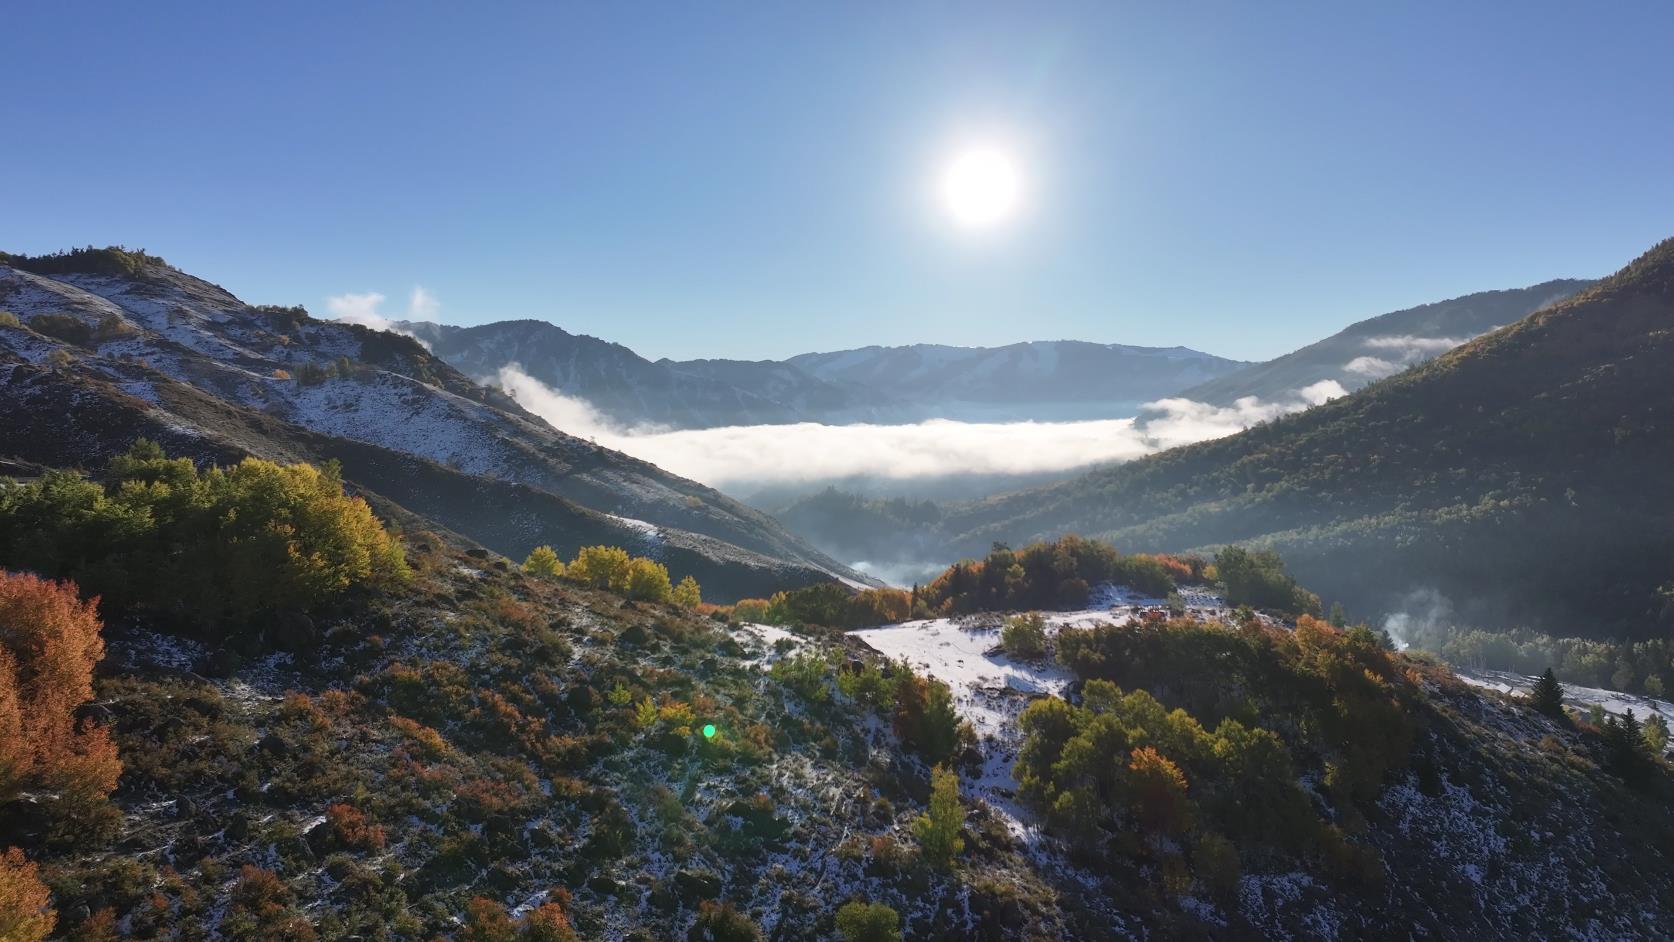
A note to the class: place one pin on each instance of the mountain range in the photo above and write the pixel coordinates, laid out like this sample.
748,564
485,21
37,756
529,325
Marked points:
1522,475
1038,381
110,345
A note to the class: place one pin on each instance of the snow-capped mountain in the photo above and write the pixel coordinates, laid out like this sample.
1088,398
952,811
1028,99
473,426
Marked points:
180,355
1049,380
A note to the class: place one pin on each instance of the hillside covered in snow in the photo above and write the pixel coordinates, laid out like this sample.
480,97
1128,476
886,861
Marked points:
108,345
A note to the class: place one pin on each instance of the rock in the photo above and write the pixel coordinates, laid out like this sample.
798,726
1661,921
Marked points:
218,664
604,885
697,884
294,631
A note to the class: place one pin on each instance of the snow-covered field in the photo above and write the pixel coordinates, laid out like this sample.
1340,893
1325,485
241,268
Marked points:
1583,698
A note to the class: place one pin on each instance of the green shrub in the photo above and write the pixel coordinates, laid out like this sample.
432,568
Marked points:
203,547
868,922
1024,636
722,922
63,327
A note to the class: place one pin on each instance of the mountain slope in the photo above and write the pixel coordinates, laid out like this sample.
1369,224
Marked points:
1382,346
200,357
631,390
1523,475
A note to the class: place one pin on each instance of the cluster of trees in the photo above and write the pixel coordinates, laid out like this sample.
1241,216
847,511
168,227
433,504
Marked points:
919,708
1212,772
113,260
313,374
72,329
210,549
1056,575
49,642
1631,748
1257,578
612,568
1644,667
488,921
829,605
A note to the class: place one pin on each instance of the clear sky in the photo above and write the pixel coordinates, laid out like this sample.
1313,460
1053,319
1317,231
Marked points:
759,179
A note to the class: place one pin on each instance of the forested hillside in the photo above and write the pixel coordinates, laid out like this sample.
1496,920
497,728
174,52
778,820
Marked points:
1381,346
1521,475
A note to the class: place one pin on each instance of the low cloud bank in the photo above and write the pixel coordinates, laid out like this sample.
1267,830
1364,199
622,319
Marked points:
778,454
1397,352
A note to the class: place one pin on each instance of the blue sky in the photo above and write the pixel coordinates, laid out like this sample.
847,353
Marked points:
756,180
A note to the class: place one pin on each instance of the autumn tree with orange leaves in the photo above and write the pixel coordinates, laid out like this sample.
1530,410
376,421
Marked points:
25,915
49,642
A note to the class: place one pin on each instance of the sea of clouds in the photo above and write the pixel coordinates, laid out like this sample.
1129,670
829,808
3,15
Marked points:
745,455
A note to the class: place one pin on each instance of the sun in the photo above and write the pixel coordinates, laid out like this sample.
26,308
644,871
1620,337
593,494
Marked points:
981,187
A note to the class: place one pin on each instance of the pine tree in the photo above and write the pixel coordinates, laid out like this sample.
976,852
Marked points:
938,831
1547,695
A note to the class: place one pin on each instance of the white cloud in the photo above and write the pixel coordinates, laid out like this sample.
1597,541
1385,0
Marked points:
363,308
770,454
422,305
1372,367
1397,352
1408,345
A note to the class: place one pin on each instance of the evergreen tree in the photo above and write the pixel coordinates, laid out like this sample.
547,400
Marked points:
938,831
1547,695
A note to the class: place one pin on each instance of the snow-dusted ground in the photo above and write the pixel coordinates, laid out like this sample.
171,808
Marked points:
991,690
1613,701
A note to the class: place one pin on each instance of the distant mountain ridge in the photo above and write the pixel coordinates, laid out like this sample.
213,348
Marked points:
1040,380
1381,346
112,345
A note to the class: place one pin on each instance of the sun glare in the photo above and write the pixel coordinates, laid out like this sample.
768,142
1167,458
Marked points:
981,188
